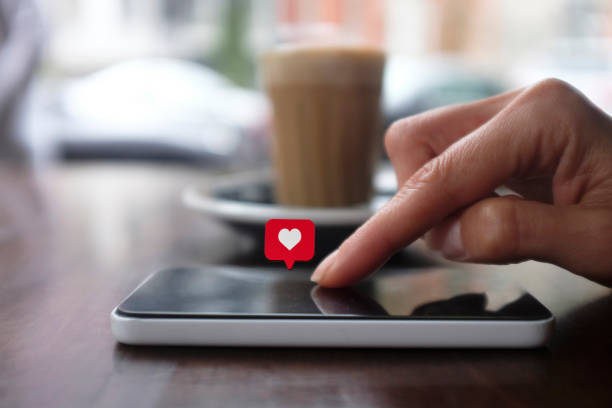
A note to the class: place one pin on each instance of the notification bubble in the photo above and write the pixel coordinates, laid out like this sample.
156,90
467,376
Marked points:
289,241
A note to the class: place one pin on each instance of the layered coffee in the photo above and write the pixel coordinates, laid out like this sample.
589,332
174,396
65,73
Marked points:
326,106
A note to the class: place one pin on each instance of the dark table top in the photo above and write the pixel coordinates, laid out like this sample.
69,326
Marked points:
75,239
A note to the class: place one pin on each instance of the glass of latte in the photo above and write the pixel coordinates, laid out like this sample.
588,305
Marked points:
326,122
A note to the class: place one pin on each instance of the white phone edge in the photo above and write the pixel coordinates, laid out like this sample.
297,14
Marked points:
251,332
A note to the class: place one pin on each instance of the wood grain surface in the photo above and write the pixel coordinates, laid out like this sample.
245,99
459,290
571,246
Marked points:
75,239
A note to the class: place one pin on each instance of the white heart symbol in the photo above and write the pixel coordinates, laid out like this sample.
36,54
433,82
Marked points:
289,238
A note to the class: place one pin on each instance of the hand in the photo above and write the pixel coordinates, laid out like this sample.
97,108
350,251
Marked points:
547,142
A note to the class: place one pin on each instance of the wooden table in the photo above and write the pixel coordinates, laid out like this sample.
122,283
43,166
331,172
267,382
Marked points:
75,239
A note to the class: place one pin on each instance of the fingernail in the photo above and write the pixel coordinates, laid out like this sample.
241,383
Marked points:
323,267
452,246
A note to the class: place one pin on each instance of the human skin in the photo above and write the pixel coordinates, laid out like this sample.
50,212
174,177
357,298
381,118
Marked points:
546,142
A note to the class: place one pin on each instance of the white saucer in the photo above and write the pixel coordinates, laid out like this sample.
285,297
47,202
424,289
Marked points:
246,199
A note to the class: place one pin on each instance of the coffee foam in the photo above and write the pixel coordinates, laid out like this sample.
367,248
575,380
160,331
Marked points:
341,65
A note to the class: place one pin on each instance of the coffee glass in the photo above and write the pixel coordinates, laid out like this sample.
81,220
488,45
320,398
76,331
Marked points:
326,120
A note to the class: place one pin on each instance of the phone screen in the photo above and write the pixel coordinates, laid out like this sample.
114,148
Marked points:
234,292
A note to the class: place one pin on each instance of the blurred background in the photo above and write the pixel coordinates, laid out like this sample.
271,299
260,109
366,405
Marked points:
176,80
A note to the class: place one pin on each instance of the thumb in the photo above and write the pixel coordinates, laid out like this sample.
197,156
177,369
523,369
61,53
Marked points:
510,229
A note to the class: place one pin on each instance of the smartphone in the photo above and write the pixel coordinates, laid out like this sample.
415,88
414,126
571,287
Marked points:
239,306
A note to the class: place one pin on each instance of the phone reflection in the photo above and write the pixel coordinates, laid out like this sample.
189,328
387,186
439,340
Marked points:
348,301
345,301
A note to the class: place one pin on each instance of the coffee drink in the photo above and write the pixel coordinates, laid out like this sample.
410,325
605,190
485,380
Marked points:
327,135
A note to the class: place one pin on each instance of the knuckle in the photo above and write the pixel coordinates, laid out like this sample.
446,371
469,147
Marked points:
433,177
397,135
431,173
552,90
555,109
404,134
499,219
